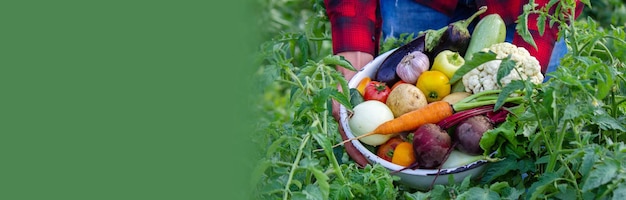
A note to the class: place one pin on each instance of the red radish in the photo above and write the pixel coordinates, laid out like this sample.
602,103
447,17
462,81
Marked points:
431,144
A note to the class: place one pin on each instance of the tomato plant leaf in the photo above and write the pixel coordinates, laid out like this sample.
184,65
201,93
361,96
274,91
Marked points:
522,25
341,98
566,192
416,195
589,159
338,60
439,192
571,112
321,98
498,186
506,92
466,183
606,122
543,185
498,169
343,84
511,193
321,181
340,191
506,66
477,193
541,23
478,59
601,173
620,192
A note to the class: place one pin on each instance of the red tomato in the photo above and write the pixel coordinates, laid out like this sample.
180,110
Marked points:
385,151
375,90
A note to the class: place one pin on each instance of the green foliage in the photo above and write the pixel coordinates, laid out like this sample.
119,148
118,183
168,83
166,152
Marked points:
565,141
296,81
606,12
393,42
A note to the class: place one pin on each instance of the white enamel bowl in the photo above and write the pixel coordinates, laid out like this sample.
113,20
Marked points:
419,178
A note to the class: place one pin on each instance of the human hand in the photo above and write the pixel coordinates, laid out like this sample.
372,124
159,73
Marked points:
358,60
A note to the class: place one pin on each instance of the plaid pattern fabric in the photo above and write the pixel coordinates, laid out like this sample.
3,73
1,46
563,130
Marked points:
356,24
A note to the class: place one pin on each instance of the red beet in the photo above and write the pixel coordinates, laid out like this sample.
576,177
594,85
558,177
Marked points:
431,144
469,132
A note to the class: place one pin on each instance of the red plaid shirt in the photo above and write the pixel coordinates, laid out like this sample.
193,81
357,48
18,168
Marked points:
356,24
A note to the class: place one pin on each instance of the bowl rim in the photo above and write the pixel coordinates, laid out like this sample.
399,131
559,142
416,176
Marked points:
370,68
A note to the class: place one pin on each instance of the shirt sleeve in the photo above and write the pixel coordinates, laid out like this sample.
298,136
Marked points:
355,25
510,10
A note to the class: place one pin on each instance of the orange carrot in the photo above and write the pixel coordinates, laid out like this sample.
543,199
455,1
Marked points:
431,113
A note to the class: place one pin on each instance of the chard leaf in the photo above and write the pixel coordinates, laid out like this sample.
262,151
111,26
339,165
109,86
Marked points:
478,59
506,130
506,66
602,173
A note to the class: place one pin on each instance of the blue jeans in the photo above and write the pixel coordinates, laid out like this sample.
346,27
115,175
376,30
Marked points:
407,16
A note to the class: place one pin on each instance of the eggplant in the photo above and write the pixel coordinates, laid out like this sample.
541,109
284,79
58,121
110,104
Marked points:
455,37
387,70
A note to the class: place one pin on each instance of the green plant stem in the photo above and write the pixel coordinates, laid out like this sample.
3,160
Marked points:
543,131
469,105
323,126
295,164
572,179
482,93
556,152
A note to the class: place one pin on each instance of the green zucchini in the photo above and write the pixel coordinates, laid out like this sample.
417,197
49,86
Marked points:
489,30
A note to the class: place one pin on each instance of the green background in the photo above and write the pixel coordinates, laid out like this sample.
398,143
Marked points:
125,99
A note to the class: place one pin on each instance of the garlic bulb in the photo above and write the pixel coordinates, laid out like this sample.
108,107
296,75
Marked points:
412,66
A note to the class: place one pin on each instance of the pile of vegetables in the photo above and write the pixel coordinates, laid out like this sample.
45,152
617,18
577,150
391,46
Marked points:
418,122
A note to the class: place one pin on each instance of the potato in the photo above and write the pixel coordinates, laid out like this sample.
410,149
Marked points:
455,97
405,98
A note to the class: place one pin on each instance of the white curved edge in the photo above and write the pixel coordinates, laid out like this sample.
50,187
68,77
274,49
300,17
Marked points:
369,70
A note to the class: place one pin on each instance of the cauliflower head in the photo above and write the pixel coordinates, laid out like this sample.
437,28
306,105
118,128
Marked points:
484,76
